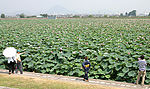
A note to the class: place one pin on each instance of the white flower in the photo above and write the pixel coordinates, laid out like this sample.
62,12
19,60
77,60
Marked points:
74,52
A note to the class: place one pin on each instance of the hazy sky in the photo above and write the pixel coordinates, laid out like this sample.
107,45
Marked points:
80,6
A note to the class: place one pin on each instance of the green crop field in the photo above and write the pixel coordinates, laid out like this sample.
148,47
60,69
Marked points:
59,46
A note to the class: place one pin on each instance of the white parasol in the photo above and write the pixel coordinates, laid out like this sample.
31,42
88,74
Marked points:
9,52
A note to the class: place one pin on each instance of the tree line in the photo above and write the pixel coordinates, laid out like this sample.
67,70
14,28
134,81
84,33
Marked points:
127,14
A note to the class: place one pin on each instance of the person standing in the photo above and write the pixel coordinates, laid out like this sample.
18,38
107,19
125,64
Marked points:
11,64
19,62
86,66
142,69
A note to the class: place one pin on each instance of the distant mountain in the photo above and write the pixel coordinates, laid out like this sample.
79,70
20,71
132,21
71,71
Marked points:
106,11
24,12
59,10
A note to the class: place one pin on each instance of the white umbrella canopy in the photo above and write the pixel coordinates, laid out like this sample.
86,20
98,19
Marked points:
9,52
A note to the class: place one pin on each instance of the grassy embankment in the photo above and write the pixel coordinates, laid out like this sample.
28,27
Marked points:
24,82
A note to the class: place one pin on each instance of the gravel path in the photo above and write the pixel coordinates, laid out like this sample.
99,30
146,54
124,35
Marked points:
1,87
78,79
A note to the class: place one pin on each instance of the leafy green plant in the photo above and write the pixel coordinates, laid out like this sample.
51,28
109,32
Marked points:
59,46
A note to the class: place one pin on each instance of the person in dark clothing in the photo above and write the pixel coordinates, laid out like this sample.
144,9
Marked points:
86,66
11,64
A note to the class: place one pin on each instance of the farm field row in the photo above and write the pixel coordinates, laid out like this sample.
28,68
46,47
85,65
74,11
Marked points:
59,46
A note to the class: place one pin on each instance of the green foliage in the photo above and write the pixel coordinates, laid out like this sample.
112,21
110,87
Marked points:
33,16
2,15
90,16
149,14
105,16
44,15
76,16
126,14
22,15
121,14
59,46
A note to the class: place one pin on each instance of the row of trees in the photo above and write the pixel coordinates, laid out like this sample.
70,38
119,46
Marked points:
23,16
132,13
20,15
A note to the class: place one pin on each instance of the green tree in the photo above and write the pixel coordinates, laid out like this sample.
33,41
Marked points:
44,15
105,16
2,15
33,16
126,14
121,14
76,16
22,15
90,16
149,14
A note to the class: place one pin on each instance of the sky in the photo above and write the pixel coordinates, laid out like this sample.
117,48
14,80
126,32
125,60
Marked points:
77,6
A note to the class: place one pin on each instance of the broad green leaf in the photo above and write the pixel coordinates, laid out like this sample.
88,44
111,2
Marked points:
128,64
107,76
132,74
121,74
125,70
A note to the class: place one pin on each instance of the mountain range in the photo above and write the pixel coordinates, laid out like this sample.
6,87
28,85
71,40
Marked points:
59,10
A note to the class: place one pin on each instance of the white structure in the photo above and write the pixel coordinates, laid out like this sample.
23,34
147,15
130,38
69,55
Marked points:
52,17
39,16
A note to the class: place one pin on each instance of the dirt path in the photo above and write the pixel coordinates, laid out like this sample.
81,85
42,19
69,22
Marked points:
1,87
77,79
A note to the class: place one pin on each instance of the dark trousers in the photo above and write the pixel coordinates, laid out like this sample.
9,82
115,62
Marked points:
19,66
11,67
86,75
